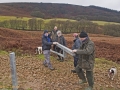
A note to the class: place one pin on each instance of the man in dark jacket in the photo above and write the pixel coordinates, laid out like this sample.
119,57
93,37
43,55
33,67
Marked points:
76,45
86,60
60,39
46,46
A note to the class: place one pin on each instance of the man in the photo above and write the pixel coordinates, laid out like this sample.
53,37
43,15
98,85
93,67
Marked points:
60,39
53,35
76,45
46,46
86,60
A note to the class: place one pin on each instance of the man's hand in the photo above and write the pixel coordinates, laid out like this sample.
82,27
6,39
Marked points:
55,43
74,50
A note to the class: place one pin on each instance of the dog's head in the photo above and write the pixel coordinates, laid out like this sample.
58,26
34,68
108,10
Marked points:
111,71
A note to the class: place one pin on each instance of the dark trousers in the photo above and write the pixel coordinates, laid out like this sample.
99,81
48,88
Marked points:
60,51
54,47
75,61
89,76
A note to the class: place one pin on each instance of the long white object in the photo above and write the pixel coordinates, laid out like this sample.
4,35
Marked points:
65,49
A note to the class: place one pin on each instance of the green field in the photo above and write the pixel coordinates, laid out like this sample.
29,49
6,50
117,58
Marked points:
3,18
104,22
60,19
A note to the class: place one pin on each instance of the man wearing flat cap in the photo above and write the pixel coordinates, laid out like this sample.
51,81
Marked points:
86,60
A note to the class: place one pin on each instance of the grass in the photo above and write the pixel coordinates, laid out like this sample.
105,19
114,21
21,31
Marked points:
3,52
3,18
104,22
102,65
60,19
41,57
105,63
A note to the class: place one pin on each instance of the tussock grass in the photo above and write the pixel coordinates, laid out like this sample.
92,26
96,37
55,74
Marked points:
3,52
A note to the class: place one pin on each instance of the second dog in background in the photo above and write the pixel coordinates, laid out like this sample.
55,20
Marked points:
112,73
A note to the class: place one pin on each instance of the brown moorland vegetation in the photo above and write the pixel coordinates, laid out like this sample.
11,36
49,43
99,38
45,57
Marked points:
26,41
32,75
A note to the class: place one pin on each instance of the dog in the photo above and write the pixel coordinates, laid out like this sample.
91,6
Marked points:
112,72
39,50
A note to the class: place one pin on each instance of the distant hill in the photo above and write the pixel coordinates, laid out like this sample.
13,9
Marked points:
55,10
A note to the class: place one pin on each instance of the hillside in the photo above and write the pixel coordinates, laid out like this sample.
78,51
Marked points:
19,41
32,75
54,10
25,42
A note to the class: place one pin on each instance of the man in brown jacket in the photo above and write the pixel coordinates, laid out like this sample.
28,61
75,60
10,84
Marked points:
86,60
53,36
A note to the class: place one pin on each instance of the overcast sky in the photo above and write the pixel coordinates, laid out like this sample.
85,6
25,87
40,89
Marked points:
111,4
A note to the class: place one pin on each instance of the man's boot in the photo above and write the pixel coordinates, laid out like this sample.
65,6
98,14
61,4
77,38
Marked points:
81,75
73,71
89,88
62,59
59,58
89,75
82,81
51,68
45,64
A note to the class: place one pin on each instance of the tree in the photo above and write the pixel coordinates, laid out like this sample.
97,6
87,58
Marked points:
38,14
50,25
40,23
32,23
5,24
24,25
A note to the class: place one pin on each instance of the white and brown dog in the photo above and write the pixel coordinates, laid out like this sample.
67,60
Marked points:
112,72
38,50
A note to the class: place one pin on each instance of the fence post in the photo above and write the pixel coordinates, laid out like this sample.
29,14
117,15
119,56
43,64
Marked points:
13,71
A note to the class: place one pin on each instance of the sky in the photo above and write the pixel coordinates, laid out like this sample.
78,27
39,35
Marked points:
111,4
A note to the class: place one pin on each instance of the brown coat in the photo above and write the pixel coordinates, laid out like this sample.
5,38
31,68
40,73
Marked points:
53,35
